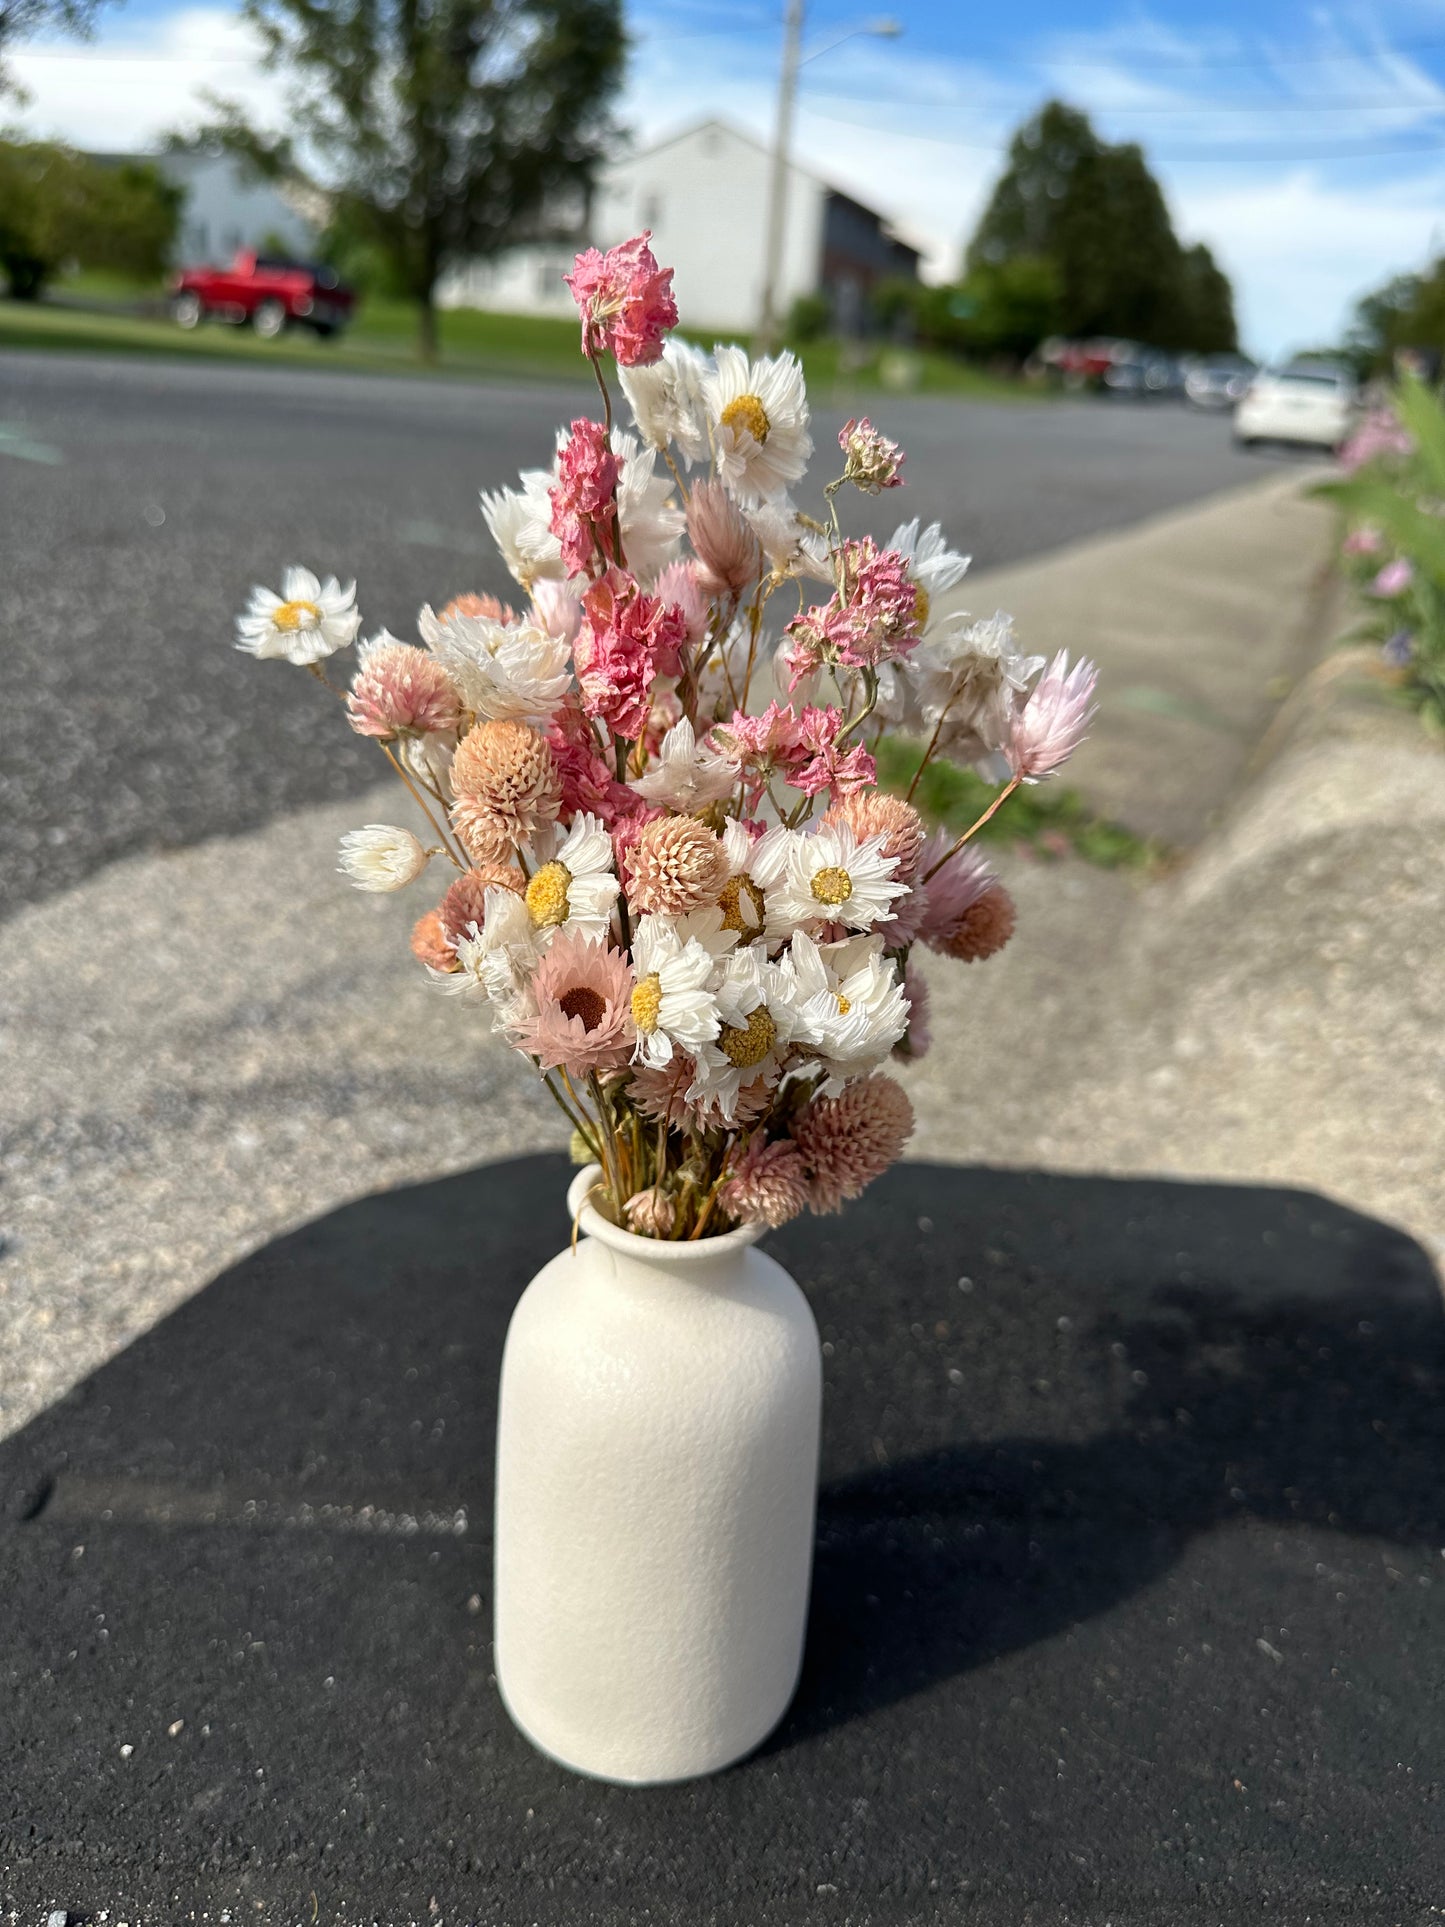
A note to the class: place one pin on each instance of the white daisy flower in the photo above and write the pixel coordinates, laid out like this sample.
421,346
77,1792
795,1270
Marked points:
521,524
685,775
933,567
827,876
307,622
757,1001
497,961
759,410
507,672
754,864
382,857
852,1008
790,546
576,886
675,960
666,399
652,524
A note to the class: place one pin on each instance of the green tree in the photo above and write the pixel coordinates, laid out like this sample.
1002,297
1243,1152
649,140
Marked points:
1096,214
1408,311
58,206
438,132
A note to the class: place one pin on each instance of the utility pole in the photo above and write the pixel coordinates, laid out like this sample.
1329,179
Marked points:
778,184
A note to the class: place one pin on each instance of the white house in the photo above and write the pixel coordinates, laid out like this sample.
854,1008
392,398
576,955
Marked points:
704,194
225,208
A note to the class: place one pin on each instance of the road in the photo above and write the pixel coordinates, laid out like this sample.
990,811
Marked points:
142,500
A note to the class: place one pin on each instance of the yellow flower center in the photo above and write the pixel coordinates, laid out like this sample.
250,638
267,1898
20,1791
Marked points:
843,1004
296,615
586,1003
748,1044
742,906
832,886
647,1004
547,894
748,412
923,605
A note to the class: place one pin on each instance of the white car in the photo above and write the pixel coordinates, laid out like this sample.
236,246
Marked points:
1311,402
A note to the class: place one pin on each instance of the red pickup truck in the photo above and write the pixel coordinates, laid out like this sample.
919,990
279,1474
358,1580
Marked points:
269,293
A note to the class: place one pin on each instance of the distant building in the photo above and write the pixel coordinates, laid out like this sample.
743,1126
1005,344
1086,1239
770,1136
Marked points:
704,194
226,208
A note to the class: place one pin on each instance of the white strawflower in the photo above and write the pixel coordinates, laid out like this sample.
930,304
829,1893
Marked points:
651,522
675,961
975,677
790,546
852,1007
307,622
684,775
382,857
933,567
827,876
576,886
759,411
757,1001
666,399
521,524
506,672
497,961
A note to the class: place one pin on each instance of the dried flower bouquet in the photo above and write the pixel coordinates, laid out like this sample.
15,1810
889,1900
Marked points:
681,897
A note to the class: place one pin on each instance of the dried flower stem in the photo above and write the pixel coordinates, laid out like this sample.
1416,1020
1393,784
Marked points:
421,803
997,804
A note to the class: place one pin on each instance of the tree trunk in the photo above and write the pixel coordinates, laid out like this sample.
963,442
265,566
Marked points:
426,328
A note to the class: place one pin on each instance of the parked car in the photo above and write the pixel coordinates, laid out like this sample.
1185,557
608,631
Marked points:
266,292
1146,374
1312,403
1219,381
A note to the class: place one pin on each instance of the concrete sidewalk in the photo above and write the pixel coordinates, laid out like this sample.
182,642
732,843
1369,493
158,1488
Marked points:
206,1048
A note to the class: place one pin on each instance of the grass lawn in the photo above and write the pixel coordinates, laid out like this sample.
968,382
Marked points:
383,339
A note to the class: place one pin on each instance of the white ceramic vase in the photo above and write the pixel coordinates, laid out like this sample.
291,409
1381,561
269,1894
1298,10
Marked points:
657,1466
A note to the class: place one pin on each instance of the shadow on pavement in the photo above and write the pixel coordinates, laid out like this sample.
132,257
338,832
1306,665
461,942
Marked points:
1128,1584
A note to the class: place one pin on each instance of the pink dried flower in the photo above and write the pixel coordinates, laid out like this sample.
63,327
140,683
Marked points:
584,499
430,943
849,1140
873,462
627,640
466,901
915,1041
401,691
1363,541
804,648
675,865
589,782
507,788
556,609
767,1183
825,768
677,588
878,622
897,822
661,1095
625,301
1052,722
487,607
651,1213
967,912
1381,433
582,1022
729,555
1394,578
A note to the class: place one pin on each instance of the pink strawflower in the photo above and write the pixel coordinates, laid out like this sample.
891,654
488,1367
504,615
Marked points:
729,555
826,769
967,913
849,1140
1054,719
767,1183
582,1021
661,1095
628,638
401,691
584,499
465,903
915,1041
1394,578
625,301
556,609
873,462
1363,541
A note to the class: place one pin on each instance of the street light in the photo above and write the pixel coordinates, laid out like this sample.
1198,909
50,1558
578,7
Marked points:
794,58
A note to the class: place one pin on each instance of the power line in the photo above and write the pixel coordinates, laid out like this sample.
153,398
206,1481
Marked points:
1198,109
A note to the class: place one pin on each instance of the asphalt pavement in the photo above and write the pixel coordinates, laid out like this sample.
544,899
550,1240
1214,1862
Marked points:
141,500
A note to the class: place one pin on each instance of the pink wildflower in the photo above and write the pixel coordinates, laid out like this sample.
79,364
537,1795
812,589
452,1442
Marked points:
873,462
849,1140
588,782
1394,578
582,1019
1363,541
842,775
662,1096
399,690
584,499
804,648
1052,722
879,620
766,744
767,1183
967,913
627,639
625,301
677,586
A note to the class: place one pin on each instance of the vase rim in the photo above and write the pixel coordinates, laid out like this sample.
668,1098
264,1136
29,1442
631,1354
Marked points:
687,1252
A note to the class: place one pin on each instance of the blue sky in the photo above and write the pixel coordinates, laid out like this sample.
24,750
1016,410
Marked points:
1305,144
